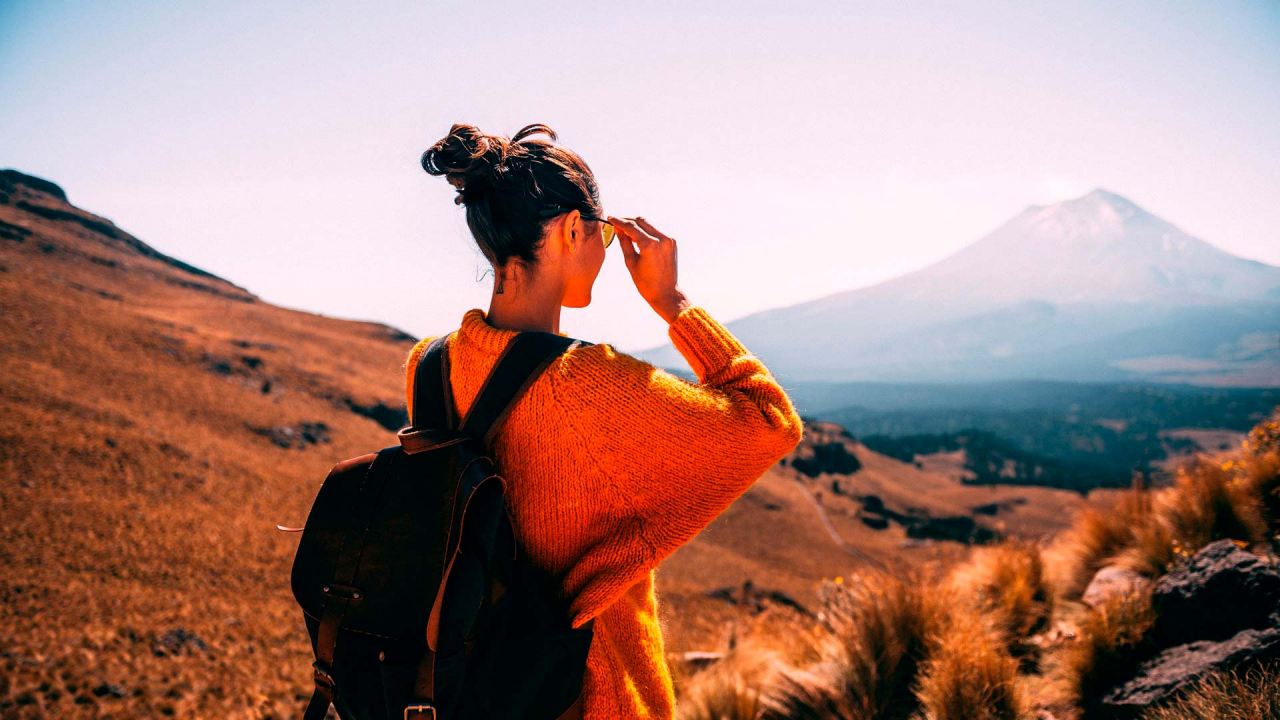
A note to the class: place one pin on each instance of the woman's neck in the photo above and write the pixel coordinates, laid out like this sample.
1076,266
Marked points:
525,308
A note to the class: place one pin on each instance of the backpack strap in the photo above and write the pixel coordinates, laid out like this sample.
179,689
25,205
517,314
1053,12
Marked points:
433,406
521,361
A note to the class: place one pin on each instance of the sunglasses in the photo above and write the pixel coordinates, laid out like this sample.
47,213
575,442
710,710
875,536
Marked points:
606,229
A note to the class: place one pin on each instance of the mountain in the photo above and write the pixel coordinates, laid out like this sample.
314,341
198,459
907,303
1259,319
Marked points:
1091,289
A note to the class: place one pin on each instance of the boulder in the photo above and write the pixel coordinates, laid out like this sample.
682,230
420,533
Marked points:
1221,591
1111,581
1177,667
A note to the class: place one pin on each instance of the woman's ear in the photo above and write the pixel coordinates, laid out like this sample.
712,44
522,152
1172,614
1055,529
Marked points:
571,226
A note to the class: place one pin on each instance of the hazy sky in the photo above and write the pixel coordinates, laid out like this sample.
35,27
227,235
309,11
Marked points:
794,149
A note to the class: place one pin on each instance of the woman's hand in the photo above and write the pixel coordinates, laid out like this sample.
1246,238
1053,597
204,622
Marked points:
651,259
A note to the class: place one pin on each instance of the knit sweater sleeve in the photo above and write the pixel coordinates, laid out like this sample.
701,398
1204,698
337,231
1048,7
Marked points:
669,455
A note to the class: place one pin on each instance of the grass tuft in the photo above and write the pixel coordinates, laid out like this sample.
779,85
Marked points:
1250,695
1008,584
970,674
880,628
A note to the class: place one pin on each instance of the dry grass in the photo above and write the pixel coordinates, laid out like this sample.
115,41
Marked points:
1258,466
1112,636
143,574
970,674
1096,538
880,627
1250,695
731,688
1007,584
1209,501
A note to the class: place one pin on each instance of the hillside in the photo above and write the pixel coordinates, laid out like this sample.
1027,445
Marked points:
1091,289
159,421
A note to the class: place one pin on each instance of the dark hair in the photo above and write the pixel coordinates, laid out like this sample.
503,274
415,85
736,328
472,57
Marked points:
508,183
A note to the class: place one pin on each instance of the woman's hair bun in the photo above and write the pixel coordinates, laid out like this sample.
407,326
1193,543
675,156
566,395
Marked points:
473,161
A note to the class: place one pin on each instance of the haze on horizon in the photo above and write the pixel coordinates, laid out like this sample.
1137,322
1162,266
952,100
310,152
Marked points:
794,151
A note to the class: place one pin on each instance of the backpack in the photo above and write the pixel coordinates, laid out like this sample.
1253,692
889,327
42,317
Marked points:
417,596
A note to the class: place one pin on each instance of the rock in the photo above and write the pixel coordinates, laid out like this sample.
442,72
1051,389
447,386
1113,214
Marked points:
389,417
1179,666
1111,581
299,436
176,641
110,690
1221,591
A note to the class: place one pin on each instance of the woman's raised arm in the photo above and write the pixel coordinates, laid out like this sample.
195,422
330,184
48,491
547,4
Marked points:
672,453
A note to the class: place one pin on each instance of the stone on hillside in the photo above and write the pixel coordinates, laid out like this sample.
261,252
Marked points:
1221,591
1177,667
295,436
1112,581
177,641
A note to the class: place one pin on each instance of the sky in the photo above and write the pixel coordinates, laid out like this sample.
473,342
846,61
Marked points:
793,149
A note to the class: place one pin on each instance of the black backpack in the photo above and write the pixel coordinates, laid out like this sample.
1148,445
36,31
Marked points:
419,600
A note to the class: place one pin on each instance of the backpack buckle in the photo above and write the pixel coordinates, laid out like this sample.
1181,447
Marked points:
420,712
322,676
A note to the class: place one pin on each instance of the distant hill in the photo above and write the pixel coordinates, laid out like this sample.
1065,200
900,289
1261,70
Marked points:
1091,289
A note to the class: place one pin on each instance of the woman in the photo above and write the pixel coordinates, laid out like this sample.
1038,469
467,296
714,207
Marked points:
612,464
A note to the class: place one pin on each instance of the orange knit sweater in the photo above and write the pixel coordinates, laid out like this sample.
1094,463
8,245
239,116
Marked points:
612,464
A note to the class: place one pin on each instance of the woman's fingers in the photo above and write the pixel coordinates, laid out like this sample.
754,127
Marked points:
651,229
629,226
627,244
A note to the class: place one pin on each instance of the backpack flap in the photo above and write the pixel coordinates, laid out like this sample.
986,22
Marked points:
355,538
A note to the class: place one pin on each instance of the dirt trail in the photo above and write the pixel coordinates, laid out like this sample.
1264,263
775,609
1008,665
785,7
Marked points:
831,529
